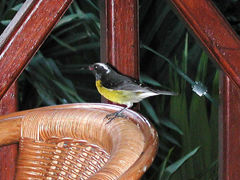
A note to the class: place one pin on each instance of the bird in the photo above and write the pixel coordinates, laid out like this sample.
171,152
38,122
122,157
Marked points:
120,88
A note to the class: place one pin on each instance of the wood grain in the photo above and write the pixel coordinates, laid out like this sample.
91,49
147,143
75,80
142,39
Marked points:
18,43
213,32
229,168
120,35
24,35
222,43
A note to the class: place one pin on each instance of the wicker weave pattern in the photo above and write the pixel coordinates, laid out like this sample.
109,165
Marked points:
43,125
73,142
59,159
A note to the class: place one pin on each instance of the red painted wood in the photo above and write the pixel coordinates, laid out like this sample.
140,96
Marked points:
213,31
223,45
24,35
18,43
229,131
119,35
8,154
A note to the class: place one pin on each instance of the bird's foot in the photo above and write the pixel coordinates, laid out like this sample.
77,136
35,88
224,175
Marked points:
113,116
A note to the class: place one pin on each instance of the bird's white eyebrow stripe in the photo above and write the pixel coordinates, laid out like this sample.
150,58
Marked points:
104,66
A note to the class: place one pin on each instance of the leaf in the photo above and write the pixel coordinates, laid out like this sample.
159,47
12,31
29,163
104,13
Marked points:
147,79
17,7
170,170
66,19
49,82
170,125
213,122
157,22
151,112
5,22
170,138
93,5
64,44
164,164
200,132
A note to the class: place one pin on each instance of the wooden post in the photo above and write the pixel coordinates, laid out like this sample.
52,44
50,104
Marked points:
18,43
222,43
119,35
229,151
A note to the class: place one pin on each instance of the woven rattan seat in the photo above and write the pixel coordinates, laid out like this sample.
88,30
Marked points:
74,142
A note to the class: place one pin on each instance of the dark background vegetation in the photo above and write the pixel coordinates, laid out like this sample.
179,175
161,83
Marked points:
187,123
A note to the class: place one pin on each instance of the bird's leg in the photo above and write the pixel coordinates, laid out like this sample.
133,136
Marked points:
112,116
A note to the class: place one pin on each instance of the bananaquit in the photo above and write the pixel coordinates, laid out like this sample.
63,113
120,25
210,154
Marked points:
121,89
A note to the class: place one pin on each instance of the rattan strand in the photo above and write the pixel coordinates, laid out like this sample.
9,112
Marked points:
131,143
59,158
49,143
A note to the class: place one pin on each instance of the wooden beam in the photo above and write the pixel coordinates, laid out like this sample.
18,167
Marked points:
18,43
222,43
214,33
24,35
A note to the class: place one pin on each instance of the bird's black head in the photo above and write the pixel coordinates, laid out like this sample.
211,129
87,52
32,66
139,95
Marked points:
100,69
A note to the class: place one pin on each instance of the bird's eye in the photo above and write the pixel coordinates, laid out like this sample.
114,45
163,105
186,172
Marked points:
95,67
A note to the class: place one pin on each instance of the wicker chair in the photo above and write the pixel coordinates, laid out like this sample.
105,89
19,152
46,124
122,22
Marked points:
74,142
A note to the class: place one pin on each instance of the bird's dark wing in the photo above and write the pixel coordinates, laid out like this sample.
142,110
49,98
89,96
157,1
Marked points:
124,83
118,82
128,85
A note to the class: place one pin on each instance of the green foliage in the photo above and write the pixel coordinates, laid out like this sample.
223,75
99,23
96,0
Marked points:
166,172
191,114
53,75
52,87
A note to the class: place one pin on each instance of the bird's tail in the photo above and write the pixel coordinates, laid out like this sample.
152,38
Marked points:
161,92
169,93
154,92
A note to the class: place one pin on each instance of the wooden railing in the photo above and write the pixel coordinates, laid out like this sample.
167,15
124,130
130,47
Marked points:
119,46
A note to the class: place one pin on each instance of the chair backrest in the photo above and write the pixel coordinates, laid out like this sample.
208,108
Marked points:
74,142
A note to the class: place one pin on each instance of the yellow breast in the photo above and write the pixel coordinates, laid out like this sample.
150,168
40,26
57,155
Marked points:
116,96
